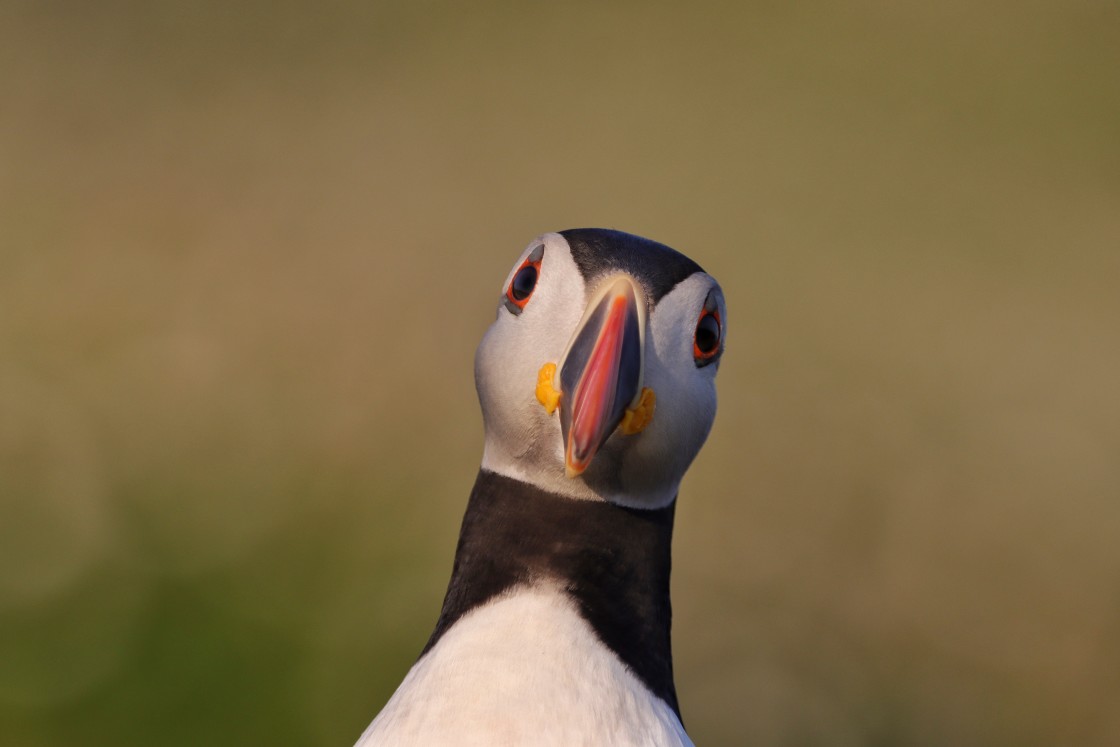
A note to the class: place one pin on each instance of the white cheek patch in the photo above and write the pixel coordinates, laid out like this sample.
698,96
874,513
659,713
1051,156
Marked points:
686,396
522,440
677,315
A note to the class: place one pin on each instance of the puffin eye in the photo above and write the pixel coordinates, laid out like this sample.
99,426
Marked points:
709,333
524,281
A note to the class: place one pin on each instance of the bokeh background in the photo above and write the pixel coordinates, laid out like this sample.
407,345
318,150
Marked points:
247,250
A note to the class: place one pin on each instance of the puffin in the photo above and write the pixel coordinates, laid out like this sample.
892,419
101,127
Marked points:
597,387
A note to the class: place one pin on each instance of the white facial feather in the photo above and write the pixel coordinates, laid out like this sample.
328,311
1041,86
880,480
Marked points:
522,440
654,462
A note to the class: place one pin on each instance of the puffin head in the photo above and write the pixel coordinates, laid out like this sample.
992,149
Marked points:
597,379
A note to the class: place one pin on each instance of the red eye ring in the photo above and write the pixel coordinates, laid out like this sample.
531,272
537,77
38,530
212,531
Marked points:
524,281
708,340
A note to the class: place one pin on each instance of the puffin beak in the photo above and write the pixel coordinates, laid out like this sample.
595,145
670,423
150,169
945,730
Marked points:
602,370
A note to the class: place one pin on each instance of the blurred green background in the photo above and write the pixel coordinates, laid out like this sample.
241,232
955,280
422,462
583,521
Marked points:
247,250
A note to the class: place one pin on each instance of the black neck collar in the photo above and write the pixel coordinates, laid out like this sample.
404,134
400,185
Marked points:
613,561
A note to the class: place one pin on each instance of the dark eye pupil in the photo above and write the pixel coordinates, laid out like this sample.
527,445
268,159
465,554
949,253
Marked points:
707,334
523,283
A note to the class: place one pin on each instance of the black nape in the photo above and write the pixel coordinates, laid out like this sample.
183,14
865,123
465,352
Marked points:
597,251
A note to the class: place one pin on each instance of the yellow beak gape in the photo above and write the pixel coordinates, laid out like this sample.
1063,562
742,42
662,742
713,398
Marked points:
634,420
546,393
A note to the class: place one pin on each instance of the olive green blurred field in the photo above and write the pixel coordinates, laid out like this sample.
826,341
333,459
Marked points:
247,249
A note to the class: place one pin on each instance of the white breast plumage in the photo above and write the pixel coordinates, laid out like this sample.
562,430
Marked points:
523,669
